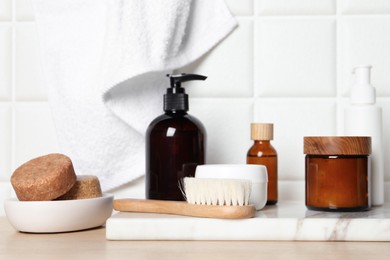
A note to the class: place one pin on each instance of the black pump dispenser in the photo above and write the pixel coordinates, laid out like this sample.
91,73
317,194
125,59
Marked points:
176,99
175,144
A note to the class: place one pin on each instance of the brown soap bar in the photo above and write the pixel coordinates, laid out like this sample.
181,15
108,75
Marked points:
86,187
44,178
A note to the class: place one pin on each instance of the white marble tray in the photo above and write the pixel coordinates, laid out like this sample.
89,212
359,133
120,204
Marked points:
286,221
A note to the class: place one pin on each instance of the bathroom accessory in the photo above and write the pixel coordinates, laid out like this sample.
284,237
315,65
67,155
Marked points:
287,221
175,143
364,118
185,209
257,174
337,170
262,152
210,198
58,215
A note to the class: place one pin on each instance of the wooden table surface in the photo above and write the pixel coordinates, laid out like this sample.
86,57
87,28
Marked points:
92,244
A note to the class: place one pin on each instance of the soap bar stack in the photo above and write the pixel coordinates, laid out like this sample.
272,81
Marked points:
52,177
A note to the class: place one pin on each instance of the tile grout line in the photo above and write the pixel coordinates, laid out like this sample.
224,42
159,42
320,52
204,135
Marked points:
254,54
13,84
336,64
338,98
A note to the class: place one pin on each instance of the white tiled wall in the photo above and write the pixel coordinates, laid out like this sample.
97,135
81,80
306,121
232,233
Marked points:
289,63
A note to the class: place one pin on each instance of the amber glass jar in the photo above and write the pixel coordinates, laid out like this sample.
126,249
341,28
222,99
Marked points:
337,173
262,152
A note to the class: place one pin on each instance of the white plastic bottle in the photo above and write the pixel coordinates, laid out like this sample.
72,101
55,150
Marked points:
364,118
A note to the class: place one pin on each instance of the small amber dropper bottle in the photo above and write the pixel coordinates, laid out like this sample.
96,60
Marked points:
262,152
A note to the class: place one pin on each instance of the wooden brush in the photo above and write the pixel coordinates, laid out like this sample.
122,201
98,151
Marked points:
208,198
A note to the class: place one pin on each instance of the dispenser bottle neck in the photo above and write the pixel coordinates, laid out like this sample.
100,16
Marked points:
263,142
176,99
176,112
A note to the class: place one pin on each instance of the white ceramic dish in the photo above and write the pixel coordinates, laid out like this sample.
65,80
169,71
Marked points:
58,216
253,172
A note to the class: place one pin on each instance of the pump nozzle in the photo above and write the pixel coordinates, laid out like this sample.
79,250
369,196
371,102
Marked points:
178,78
362,91
176,99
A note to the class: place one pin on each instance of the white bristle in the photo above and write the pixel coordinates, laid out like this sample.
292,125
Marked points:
230,192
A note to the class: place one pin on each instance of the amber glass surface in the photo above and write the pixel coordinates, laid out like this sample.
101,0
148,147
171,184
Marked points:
337,183
175,145
263,153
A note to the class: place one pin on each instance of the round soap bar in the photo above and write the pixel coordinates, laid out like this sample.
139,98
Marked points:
44,178
86,187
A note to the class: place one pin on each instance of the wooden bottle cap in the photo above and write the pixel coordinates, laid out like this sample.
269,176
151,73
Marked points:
337,145
262,131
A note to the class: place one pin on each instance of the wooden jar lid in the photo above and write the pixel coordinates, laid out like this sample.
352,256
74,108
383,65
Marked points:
337,145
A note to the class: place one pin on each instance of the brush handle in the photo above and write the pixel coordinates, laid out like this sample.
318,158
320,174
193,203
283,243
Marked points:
184,208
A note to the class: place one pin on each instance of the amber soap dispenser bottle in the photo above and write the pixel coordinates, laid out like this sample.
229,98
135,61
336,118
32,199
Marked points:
175,143
262,152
